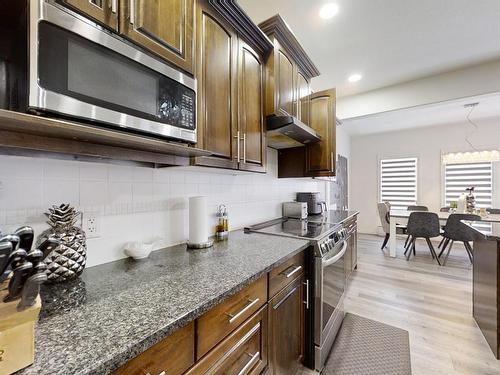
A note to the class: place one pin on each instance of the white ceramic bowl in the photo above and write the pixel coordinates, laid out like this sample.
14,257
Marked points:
138,250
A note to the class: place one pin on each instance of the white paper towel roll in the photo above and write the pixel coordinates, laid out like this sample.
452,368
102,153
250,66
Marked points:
198,220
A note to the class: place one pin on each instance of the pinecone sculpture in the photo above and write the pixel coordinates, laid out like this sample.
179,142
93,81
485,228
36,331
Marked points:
68,260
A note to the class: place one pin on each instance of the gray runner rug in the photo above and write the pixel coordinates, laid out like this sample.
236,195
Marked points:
364,346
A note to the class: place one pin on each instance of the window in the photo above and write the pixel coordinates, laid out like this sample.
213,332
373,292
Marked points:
458,177
398,182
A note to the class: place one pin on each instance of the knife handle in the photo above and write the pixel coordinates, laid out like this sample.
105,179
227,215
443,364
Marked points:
31,290
21,274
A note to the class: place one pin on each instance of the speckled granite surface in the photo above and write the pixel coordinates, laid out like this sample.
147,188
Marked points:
120,309
490,231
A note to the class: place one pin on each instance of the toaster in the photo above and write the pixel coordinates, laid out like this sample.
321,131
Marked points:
295,210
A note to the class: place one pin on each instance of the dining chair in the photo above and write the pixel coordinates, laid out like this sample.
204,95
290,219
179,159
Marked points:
443,209
415,208
455,230
423,225
384,209
418,208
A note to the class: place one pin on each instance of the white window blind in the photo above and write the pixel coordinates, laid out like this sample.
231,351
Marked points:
398,182
458,177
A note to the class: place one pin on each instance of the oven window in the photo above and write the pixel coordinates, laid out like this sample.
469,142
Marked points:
333,287
76,67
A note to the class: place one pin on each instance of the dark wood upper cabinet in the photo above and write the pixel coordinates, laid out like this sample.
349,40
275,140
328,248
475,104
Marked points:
164,27
303,98
251,107
285,84
104,12
230,72
286,329
288,72
320,160
216,72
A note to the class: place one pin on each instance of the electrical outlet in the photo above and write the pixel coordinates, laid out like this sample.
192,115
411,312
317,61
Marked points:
92,224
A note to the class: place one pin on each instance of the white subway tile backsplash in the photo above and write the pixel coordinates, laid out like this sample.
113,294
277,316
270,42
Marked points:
61,169
93,193
57,191
119,173
135,203
93,171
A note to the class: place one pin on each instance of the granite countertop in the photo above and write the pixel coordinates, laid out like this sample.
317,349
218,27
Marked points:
490,230
115,311
333,216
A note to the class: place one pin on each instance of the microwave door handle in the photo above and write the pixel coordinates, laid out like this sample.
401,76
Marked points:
335,258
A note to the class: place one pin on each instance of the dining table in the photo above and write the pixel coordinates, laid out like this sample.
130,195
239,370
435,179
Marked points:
400,218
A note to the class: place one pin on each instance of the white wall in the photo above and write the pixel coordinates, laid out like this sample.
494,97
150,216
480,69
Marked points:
425,143
457,84
136,203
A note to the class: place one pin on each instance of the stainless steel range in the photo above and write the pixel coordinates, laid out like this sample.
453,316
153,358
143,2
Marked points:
328,280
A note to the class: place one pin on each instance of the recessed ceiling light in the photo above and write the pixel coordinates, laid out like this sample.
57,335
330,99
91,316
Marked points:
329,10
355,77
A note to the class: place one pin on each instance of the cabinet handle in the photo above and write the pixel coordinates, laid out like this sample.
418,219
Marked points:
292,272
253,360
244,147
237,136
161,373
249,305
306,302
132,11
333,161
114,6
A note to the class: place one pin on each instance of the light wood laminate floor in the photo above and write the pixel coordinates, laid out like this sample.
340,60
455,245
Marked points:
433,303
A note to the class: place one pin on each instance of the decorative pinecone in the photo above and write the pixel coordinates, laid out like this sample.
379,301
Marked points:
67,260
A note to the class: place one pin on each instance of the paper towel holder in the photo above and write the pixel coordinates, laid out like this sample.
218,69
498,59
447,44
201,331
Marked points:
202,245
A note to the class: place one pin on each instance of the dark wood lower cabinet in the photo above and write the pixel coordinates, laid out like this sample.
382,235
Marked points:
286,329
486,291
242,352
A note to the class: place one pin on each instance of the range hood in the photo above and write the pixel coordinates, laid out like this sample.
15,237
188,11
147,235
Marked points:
288,132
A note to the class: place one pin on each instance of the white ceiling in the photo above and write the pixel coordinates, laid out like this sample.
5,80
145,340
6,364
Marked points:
450,112
388,41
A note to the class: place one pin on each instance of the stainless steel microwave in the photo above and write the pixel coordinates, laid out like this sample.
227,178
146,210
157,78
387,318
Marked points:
79,69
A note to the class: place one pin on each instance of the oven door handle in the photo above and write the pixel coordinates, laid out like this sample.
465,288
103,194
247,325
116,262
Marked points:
336,257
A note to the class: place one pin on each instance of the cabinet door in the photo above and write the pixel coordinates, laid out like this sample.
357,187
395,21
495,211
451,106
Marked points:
303,92
285,87
157,359
164,27
103,11
286,329
251,110
217,55
321,155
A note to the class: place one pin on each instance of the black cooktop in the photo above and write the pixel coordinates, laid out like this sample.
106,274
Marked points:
295,228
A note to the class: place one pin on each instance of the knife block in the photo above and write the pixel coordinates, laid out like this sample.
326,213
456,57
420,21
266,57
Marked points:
17,334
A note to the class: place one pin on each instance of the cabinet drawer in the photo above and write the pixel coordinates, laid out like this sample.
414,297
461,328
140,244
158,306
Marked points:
242,352
227,316
284,274
158,358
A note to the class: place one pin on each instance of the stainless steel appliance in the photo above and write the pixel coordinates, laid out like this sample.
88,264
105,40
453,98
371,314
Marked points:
327,279
314,203
295,210
76,68
329,289
288,131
